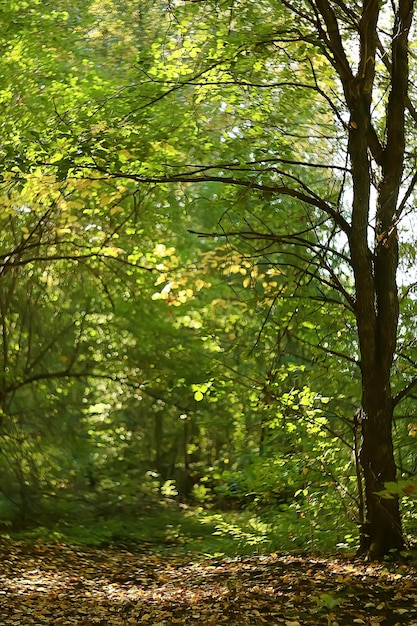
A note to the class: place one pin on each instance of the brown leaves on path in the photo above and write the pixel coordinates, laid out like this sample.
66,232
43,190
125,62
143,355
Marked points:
60,585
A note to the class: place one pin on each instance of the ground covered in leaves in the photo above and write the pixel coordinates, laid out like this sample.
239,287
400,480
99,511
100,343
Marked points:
63,585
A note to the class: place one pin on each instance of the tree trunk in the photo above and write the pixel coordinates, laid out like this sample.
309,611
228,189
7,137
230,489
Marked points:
382,531
377,311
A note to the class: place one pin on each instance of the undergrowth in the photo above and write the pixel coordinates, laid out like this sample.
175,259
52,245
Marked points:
196,530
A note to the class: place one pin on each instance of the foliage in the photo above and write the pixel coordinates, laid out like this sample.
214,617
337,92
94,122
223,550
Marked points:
177,296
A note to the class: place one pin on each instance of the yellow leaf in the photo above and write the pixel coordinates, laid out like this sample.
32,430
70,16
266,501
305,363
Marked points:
63,231
123,155
199,284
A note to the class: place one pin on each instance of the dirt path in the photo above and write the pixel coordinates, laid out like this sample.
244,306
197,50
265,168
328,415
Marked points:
61,585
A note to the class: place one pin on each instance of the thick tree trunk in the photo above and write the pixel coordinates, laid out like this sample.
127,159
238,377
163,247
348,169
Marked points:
382,532
377,320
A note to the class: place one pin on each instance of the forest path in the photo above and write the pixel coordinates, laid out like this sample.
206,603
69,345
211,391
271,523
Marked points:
61,585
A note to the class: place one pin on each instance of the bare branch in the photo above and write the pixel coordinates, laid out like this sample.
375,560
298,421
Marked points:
283,190
404,392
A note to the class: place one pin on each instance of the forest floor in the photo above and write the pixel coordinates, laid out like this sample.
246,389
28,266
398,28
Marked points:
58,584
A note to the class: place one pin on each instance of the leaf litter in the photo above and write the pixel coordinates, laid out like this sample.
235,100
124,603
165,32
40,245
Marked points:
62,585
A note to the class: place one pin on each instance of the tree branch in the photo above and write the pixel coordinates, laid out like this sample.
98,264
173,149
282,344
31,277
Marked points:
404,392
283,190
